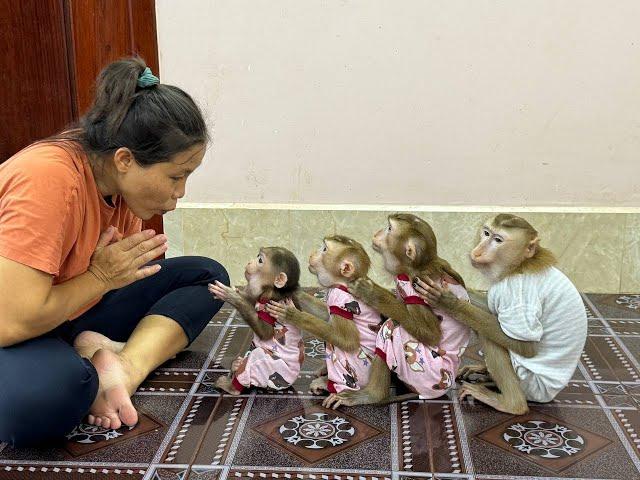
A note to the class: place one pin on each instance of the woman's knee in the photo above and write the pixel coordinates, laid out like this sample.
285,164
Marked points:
42,404
215,269
197,269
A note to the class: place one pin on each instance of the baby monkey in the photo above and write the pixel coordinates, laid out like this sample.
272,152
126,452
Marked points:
347,325
277,351
423,345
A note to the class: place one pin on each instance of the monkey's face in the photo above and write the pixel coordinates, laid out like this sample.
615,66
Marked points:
259,274
323,263
386,242
499,251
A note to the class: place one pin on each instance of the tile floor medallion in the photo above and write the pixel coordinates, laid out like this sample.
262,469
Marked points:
316,433
549,442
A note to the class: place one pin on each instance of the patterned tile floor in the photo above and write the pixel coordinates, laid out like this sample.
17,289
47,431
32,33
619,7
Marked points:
188,431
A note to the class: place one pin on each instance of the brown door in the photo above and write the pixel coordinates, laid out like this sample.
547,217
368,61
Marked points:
51,52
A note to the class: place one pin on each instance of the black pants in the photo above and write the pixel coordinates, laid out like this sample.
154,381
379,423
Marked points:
46,388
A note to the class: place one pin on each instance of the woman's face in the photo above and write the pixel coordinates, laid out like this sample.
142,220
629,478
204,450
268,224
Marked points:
155,190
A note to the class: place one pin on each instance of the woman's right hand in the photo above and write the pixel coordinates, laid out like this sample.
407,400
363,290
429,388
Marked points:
120,263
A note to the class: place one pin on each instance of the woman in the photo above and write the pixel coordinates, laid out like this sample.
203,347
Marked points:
84,316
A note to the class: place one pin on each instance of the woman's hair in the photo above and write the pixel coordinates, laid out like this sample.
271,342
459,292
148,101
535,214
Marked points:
155,122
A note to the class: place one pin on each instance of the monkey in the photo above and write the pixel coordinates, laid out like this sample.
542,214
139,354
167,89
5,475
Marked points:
533,325
277,351
417,341
343,322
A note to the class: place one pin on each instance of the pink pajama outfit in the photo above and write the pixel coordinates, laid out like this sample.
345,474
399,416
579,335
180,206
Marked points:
428,370
273,363
350,371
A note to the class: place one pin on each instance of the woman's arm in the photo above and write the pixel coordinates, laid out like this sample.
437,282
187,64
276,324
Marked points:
31,306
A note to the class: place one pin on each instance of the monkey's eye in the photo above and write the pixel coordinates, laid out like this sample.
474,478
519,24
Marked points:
323,248
260,259
389,228
499,240
486,233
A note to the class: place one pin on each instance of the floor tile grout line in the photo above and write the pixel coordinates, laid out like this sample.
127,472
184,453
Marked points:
205,430
260,468
488,476
75,464
607,412
170,431
395,461
224,473
153,467
214,349
632,359
465,476
185,404
239,431
604,357
462,430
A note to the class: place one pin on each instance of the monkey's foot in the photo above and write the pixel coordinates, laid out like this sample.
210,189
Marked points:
321,372
224,383
236,364
87,343
493,399
349,398
318,386
334,400
465,373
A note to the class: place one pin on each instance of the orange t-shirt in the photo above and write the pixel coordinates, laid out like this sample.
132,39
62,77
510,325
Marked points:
52,213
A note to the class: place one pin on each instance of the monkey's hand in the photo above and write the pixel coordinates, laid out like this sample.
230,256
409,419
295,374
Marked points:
362,287
287,313
334,400
436,295
226,294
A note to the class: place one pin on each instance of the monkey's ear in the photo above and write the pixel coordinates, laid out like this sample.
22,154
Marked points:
280,280
532,248
347,268
410,249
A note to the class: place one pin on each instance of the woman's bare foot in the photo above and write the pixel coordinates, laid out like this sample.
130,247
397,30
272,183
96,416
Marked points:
88,343
224,383
112,406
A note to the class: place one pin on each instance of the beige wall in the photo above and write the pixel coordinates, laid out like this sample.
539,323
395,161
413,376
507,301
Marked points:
599,251
419,102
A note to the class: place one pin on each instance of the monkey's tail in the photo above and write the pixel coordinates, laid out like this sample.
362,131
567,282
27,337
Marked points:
400,398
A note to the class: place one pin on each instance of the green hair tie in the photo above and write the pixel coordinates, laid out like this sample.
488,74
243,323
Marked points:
147,79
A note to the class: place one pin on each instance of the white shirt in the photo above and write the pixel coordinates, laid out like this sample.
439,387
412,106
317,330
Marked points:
544,307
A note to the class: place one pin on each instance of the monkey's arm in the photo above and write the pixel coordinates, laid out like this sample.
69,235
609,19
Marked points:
245,307
479,299
338,331
249,315
418,320
477,318
310,304
488,325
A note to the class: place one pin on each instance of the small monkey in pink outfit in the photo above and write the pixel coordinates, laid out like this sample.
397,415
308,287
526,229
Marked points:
277,351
